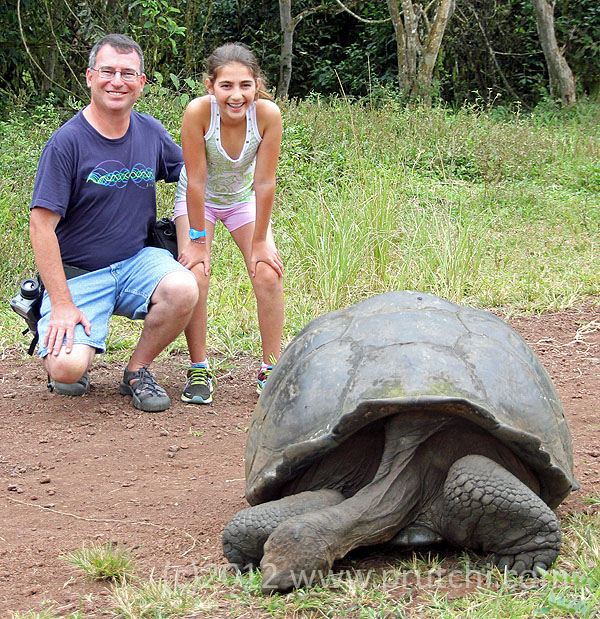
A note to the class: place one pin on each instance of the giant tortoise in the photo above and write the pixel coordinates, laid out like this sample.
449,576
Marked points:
404,419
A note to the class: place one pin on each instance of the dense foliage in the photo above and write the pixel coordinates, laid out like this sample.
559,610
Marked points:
490,50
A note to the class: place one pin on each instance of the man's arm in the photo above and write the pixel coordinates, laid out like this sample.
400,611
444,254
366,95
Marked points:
65,315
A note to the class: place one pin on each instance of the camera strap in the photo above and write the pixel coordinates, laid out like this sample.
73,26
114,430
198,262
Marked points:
70,272
34,342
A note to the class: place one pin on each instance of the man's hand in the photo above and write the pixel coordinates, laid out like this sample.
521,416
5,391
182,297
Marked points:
63,319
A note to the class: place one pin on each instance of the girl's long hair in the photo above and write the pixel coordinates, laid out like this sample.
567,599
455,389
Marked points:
236,52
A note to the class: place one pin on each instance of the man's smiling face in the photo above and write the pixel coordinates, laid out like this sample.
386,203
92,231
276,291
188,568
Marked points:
114,96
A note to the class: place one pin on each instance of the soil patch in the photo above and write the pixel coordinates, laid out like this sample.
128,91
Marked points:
78,470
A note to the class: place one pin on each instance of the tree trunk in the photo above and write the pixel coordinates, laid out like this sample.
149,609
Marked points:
48,76
411,39
287,42
396,18
288,25
559,70
431,48
189,44
416,60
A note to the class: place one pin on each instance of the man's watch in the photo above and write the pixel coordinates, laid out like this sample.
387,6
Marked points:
197,234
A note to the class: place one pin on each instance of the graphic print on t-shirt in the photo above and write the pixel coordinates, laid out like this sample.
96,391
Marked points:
113,173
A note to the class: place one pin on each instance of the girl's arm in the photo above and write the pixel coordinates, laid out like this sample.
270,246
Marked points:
193,127
263,247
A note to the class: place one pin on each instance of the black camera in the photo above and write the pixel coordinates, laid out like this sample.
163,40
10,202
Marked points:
27,303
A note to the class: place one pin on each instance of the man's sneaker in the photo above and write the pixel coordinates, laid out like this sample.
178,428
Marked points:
73,389
200,386
146,394
261,380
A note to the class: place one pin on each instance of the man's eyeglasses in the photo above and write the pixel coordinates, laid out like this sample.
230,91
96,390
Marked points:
107,73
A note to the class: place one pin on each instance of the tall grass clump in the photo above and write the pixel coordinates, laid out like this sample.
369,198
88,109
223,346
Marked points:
380,232
103,561
485,206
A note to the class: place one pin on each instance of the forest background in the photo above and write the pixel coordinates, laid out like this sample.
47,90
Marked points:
485,49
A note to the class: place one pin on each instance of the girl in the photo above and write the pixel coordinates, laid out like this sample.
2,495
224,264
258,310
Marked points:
231,140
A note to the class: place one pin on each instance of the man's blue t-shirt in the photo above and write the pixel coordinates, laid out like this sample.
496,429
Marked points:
103,189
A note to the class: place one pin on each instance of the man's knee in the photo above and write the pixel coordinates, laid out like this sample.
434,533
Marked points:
179,289
69,367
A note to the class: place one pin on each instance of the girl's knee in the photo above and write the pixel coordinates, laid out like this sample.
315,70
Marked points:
202,279
267,280
267,283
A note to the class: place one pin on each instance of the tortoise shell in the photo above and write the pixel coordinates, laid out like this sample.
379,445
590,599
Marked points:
397,353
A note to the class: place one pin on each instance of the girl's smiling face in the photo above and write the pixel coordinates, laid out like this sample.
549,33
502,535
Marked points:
235,89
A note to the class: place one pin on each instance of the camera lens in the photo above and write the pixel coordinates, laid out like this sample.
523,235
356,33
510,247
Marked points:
29,288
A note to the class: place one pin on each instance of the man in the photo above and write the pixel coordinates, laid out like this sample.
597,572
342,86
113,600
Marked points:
93,204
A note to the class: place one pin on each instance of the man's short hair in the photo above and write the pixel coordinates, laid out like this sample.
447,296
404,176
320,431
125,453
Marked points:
122,43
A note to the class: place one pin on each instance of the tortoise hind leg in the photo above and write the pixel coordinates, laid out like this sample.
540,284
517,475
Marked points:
488,509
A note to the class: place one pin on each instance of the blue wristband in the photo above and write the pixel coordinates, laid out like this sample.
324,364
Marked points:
197,234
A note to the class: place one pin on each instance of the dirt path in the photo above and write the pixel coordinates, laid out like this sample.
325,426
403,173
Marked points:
77,470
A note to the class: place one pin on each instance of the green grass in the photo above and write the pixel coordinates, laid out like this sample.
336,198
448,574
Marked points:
481,207
103,562
156,598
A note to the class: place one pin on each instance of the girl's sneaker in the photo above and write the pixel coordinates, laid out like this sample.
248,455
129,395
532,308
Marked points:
264,373
200,386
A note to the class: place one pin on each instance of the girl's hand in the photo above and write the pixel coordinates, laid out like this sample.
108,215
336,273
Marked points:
195,253
265,251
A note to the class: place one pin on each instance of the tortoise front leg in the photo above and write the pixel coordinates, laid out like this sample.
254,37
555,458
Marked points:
302,549
245,535
488,509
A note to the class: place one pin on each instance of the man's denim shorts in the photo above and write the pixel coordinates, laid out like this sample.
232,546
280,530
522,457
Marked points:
123,288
